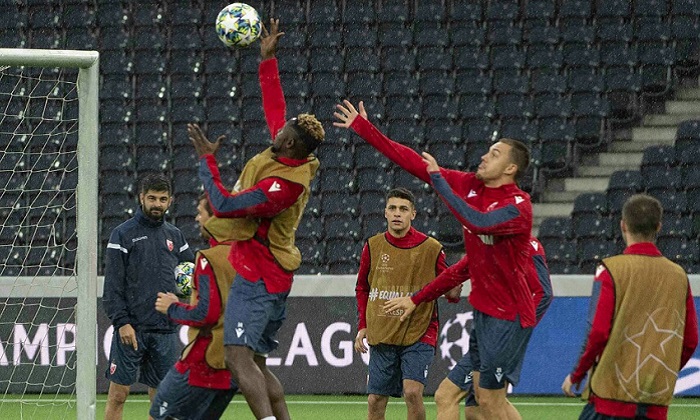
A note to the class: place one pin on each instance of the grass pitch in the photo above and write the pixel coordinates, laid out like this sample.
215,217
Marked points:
310,407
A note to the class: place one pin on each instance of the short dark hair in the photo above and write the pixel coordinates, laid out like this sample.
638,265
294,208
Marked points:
207,205
642,214
519,155
401,193
155,182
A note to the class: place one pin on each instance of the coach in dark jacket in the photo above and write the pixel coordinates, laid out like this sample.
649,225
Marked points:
139,262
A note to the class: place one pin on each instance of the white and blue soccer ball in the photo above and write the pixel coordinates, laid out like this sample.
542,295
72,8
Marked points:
183,279
238,25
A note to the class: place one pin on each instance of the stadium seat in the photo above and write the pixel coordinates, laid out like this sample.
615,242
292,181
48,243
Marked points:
592,250
575,9
343,250
503,33
357,13
555,228
658,156
619,54
519,128
674,202
622,185
406,131
400,84
510,81
467,35
436,82
676,226
548,80
374,179
448,154
473,82
398,59
560,250
312,251
544,56
507,57
613,31
590,203
393,11
578,34
556,267
587,225
471,57
339,203
613,8
373,224
688,135
514,106
690,176
662,178
357,59
539,10
149,62
431,58
502,10
471,13
430,34
341,226
679,250
552,105
392,34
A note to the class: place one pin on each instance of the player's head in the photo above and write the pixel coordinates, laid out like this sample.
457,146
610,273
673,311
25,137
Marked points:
504,163
400,210
641,218
299,137
204,213
155,195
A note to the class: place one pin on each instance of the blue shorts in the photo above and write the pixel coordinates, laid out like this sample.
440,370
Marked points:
461,375
253,316
148,365
177,399
497,349
390,365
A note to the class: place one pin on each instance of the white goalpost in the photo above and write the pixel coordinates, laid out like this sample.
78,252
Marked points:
48,230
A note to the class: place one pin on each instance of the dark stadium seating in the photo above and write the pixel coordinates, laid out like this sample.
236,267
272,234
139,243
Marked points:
441,75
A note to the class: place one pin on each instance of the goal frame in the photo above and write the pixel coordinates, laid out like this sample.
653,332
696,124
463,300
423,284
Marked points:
87,63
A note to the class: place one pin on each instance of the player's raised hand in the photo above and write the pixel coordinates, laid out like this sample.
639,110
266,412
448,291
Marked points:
430,163
268,42
201,144
347,113
404,304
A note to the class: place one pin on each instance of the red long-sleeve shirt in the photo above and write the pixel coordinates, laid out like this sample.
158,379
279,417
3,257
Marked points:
413,238
269,197
497,224
205,313
454,275
600,324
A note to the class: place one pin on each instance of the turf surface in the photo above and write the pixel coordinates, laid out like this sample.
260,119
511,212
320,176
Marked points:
310,407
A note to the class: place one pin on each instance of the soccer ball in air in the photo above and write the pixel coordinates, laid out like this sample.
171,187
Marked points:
238,25
183,279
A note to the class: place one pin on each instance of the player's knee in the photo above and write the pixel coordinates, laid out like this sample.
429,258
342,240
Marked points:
442,398
118,394
413,393
376,402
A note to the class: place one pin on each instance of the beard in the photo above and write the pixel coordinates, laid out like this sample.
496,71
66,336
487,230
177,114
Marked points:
155,213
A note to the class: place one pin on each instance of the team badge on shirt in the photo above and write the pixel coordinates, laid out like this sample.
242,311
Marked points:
170,244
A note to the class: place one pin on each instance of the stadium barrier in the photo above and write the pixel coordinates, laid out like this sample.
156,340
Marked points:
316,354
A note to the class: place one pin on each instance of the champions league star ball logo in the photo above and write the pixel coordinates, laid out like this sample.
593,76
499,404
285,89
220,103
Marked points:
454,337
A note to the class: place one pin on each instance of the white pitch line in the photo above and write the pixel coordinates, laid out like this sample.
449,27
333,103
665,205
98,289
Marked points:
309,402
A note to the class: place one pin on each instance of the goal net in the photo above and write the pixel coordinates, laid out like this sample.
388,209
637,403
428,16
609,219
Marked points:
48,255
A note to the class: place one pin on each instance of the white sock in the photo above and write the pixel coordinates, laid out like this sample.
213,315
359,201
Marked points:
269,418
